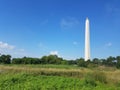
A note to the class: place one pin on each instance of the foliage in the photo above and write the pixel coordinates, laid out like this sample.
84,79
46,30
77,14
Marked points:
54,59
5,59
118,62
81,62
90,81
12,78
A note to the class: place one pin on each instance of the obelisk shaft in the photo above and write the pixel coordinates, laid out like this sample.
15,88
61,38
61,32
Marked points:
87,40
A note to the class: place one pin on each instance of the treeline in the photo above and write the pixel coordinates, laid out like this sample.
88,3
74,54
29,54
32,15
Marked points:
54,59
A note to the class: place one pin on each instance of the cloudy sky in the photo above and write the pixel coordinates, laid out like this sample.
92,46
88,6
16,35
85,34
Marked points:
41,27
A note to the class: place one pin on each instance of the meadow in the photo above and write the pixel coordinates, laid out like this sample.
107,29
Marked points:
58,77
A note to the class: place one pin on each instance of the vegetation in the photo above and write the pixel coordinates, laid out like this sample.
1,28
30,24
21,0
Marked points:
41,77
54,59
54,73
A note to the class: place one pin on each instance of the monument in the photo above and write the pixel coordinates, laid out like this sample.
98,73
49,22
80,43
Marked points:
87,40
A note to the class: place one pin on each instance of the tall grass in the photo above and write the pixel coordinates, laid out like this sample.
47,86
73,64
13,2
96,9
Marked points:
45,66
84,77
79,73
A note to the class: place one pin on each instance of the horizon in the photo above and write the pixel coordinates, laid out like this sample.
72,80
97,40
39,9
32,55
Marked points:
36,28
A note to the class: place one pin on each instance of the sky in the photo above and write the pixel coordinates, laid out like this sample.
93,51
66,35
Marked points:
35,28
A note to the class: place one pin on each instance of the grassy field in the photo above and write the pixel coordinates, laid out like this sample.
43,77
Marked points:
58,77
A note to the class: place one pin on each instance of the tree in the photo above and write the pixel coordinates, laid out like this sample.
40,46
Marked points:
118,61
59,60
71,62
51,59
81,62
5,59
96,61
118,58
103,61
64,62
26,60
16,61
44,60
111,61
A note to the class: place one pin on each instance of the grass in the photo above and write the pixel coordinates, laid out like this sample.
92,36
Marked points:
61,77
23,81
46,66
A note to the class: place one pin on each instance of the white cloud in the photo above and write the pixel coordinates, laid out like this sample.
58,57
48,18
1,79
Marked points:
54,53
6,46
68,22
108,44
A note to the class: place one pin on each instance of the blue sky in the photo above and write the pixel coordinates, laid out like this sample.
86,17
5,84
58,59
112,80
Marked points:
41,27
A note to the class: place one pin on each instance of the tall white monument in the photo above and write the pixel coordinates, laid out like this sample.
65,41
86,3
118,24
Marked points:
87,40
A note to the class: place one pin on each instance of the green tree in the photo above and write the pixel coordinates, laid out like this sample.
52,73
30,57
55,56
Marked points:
16,61
52,59
81,62
5,59
64,62
97,61
118,61
104,61
71,62
44,60
111,61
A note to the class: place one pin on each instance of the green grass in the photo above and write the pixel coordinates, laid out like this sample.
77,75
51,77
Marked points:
24,81
53,77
